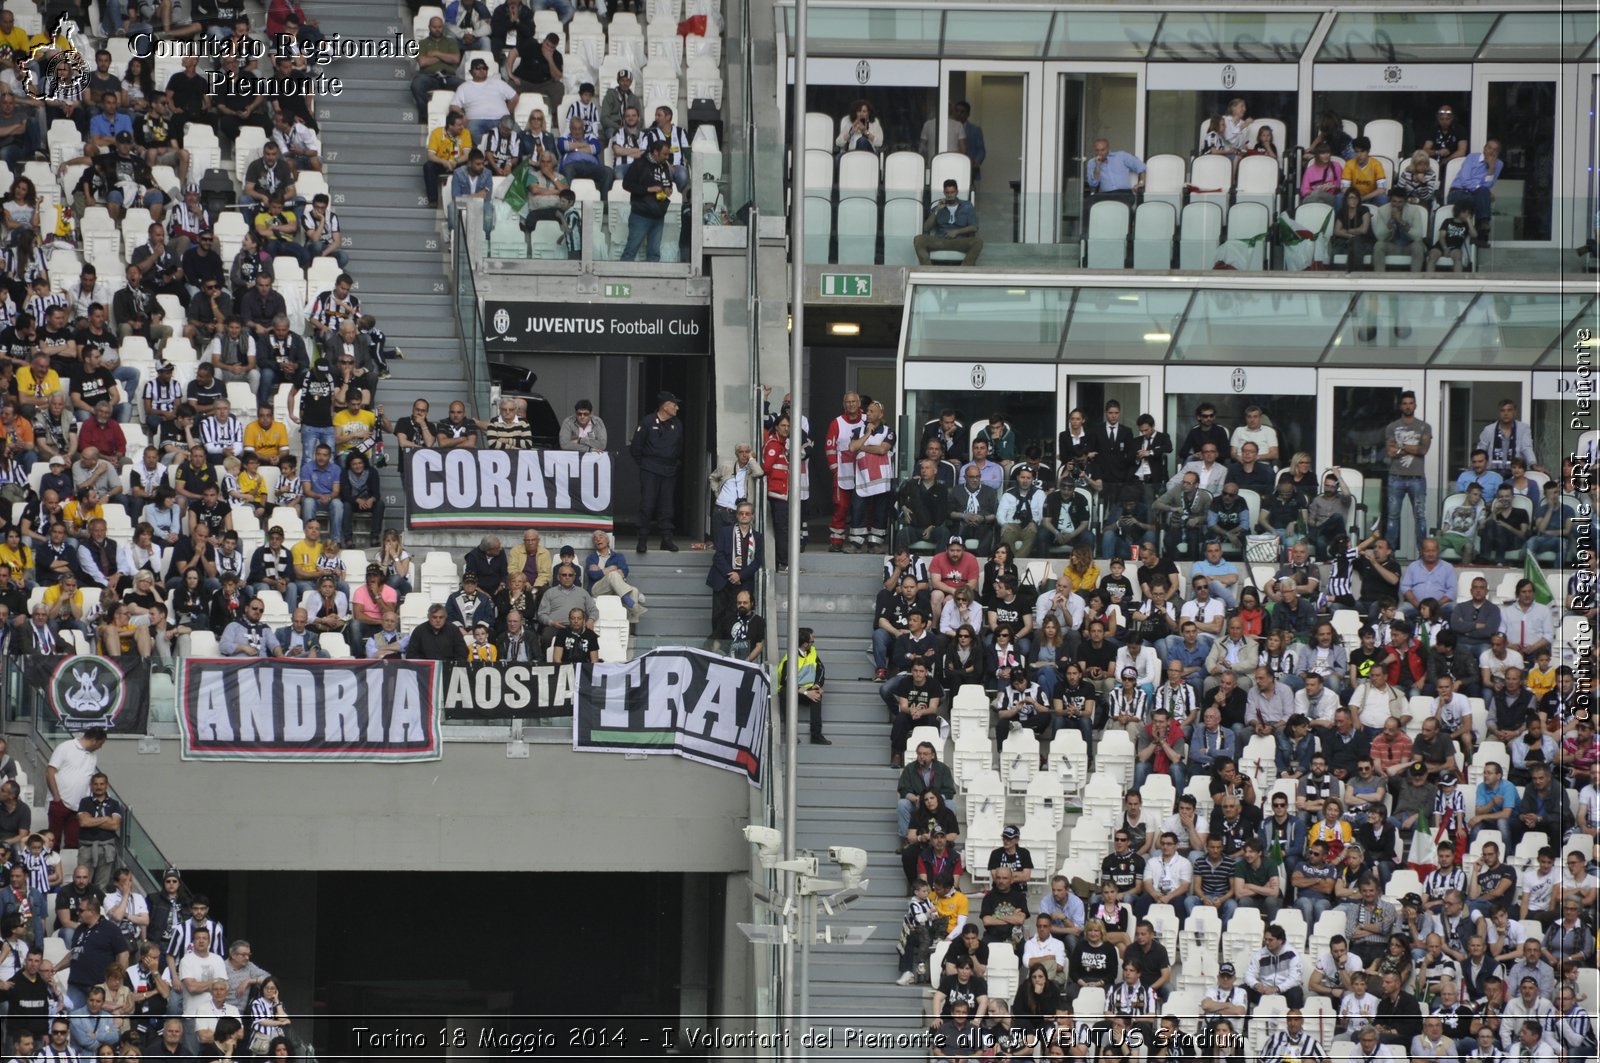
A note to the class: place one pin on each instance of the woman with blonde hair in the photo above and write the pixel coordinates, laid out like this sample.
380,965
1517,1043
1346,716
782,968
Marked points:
1418,179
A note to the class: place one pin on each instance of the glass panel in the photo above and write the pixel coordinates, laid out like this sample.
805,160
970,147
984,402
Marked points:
1248,37
1112,324
1103,35
1359,417
1092,106
1020,324
1238,326
1522,118
1173,118
1294,417
1382,37
900,112
1417,113
1552,437
1510,329
996,132
1466,407
896,31
1540,35
1428,317
1031,414
1020,34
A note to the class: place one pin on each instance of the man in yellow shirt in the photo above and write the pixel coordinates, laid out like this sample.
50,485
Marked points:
304,556
447,148
1365,174
36,383
266,436
14,39
354,428
65,603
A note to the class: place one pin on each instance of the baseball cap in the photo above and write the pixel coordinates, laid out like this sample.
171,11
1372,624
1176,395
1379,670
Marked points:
165,367
624,74
469,577
57,460
124,137
1226,969
956,540
1130,672
1447,778
667,396
1010,832
1413,900
476,63
1419,768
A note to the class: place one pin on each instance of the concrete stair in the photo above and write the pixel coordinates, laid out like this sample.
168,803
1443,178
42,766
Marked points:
397,245
846,797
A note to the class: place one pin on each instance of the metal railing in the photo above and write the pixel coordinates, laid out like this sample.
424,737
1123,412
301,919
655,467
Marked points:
138,851
469,315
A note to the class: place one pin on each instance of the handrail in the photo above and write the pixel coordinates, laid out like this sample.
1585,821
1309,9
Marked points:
469,324
145,859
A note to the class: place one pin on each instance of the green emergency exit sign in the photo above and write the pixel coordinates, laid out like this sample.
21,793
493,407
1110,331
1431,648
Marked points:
847,285
619,291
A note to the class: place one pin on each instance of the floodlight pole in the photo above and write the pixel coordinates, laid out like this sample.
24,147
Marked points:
791,632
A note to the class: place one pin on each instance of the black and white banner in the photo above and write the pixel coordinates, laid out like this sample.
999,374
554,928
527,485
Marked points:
280,709
507,489
507,690
682,701
90,691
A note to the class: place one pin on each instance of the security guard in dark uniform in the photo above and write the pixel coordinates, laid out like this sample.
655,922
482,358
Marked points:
657,447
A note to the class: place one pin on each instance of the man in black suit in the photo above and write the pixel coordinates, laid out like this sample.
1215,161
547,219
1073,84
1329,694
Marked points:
1111,447
734,565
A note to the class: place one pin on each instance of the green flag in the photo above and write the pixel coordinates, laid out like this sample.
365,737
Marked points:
1535,575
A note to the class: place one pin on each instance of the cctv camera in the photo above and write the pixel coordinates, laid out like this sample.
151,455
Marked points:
767,840
851,861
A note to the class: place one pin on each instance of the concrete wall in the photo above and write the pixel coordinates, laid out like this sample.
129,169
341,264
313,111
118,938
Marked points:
475,810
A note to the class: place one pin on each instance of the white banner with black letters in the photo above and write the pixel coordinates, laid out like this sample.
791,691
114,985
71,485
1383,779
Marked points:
507,690
507,489
677,700
247,708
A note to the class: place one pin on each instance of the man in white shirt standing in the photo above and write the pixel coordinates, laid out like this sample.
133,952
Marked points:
199,970
72,766
732,481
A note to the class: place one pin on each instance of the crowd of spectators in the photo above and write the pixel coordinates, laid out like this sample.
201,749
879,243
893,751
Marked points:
606,135
92,966
1216,672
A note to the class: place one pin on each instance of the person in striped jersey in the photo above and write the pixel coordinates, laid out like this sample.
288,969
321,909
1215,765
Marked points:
1292,1044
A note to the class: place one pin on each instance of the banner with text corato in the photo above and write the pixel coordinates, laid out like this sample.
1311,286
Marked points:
677,700
507,690
91,691
282,709
507,489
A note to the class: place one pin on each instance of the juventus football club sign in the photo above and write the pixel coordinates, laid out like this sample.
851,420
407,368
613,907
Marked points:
680,701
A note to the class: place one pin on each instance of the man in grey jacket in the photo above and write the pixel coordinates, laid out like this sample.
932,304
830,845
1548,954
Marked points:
1183,510
583,431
